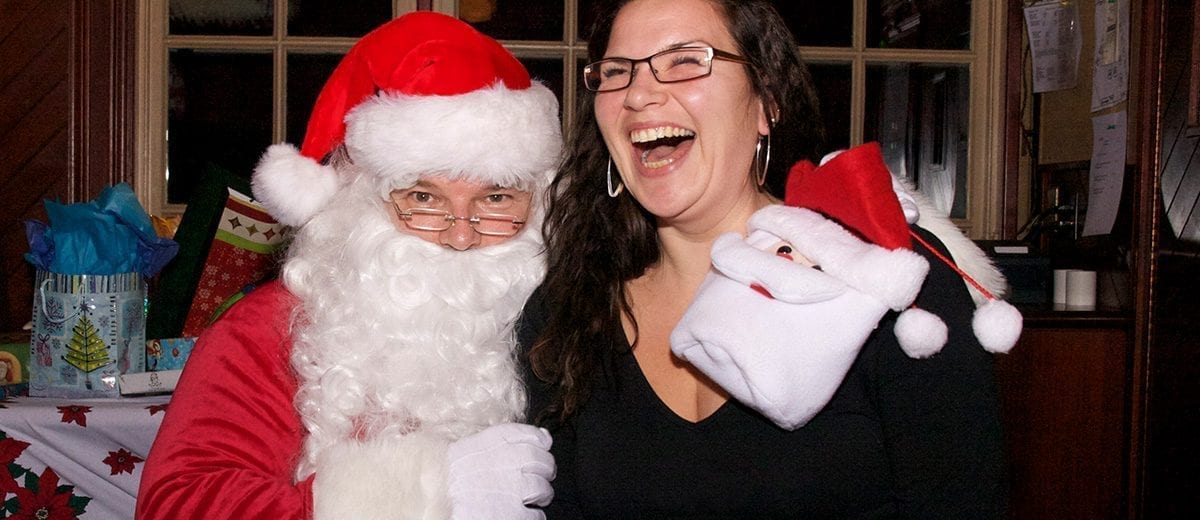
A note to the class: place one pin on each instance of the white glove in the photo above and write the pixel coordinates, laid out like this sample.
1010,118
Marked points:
496,473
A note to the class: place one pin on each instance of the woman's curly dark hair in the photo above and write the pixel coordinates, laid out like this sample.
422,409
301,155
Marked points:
596,243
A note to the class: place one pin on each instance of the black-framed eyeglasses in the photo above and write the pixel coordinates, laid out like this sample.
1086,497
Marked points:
668,66
488,224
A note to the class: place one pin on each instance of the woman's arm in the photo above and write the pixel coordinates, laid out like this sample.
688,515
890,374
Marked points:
940,415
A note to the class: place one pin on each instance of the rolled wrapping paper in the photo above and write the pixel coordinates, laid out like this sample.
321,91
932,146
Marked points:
1081,289
1074,289
1060,286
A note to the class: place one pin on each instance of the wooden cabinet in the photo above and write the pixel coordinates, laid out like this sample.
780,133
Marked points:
1064,393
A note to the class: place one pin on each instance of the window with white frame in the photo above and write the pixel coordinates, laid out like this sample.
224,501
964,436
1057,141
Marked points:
222,79
921,77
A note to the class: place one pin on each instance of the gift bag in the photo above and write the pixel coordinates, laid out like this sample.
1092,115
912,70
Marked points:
87,331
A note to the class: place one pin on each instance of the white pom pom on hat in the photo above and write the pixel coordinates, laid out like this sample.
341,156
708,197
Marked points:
921,333
855,188
422,94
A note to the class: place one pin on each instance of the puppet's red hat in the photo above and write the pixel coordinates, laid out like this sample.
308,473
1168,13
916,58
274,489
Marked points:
855,188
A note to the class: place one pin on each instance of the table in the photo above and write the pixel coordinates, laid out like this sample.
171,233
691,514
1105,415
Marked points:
98,446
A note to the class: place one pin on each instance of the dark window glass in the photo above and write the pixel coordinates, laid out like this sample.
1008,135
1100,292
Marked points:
219,115
833,92
584,19
549,71
350,18
227,17
919,24
819,23
527,20
919,115
306,74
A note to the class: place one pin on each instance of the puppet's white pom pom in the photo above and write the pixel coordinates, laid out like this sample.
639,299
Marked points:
997,325
920,332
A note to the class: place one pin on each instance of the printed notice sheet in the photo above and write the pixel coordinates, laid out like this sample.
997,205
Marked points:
1110,79
1107,173
1054,42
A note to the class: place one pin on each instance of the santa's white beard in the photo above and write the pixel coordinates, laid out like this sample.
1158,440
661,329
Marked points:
396,334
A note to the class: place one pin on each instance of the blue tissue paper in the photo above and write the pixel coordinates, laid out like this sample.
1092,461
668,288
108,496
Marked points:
106,236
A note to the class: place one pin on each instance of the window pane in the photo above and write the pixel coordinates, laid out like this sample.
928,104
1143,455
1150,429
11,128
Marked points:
527,20
351,18
819,23
585,19
219,115
919,24
918,113
306,74
550,72
228,17
833,92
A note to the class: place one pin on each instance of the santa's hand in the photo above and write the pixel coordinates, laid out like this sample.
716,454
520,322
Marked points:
498,472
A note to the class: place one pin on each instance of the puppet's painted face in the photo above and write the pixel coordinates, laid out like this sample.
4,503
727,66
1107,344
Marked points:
784,249
769,242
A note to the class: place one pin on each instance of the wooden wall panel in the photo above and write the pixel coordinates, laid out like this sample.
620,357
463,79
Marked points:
66,101
1180,177
1170,484
34,94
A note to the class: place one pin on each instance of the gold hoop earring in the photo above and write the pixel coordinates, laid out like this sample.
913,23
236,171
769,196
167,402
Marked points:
761,163
608,176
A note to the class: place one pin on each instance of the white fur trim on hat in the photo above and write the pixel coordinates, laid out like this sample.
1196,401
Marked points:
292,187
393,478
491,135
893,276
966,254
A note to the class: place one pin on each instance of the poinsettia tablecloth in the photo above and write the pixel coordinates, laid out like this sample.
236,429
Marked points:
68,458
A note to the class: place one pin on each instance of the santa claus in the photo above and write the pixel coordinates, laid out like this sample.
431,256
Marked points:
377,379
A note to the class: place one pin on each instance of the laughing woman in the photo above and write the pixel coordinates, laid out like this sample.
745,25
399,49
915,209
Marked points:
660,163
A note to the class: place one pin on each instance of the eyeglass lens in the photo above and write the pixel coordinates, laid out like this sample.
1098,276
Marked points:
667,67
484,223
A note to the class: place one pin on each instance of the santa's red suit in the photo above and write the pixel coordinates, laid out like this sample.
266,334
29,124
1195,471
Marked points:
377,379
246,429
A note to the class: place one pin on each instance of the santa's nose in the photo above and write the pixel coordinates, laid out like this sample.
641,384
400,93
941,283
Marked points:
460,236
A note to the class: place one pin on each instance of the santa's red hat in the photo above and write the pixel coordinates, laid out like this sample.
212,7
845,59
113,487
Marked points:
855,188
422,94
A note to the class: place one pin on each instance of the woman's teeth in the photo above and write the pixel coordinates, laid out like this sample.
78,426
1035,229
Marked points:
655,164
660,142
653,134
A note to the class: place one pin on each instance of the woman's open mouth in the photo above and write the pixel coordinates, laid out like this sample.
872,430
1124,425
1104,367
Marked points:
662,145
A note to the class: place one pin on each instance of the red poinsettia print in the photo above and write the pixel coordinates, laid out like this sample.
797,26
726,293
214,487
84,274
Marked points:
75,414
46,502
122,461
155,408
10,449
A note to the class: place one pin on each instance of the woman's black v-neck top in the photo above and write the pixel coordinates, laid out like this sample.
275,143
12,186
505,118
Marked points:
901,438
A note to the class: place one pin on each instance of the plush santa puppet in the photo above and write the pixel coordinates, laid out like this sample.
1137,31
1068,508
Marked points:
799,270
403,347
